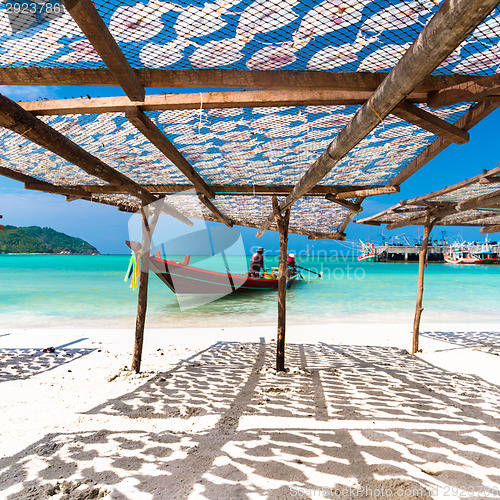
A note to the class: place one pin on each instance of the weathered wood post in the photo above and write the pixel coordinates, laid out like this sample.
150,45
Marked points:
282,223
422,262
142,296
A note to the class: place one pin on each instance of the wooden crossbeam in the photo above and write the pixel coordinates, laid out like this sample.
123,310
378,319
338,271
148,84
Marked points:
490,229
217,213
209,100
19,176
218,78
465,92
368,192
344,203
423,119
431,47
147,128
89,21
32,183
473,116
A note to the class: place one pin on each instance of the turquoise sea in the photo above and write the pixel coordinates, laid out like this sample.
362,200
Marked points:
89,291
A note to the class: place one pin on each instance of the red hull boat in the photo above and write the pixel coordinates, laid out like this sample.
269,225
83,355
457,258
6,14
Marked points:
186,280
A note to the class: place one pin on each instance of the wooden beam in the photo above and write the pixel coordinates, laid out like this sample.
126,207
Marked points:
215,211
147,128
479,201
179,188
218,79
450,25
19,176
369,222
344,203
282,221
368,192
490,229
209,100
422,263
465,92
473,116
427,121
15,118
89,21
489,179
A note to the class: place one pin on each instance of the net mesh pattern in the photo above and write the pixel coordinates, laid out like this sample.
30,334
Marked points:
328,35
276,145
468,192
315,215
231,146
114,140
21,155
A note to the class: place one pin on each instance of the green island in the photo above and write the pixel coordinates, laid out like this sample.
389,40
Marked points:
35,239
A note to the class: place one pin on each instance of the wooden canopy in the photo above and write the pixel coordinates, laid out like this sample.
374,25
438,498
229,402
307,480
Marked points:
389,94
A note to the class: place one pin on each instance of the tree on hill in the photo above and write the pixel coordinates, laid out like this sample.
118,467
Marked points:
34,239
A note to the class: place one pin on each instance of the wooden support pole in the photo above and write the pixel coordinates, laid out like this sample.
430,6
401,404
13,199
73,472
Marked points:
450,25
422,262
282,222
142,296
236,190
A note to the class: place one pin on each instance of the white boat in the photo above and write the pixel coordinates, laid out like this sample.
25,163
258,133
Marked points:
465,253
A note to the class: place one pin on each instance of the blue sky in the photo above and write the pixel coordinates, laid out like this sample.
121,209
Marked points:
107,229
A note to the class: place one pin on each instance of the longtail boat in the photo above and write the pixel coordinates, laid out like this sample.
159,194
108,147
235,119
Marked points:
184,279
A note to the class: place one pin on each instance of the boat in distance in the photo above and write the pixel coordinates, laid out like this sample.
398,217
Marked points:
184,279
465,254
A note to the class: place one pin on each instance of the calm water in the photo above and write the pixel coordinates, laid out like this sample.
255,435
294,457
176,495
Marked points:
41,290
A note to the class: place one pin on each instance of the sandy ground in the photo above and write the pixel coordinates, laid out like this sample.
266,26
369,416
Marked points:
355,416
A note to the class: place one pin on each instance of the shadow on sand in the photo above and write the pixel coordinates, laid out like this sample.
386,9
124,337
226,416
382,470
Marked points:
342,416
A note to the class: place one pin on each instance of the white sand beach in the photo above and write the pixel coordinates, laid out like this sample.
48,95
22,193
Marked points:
355,416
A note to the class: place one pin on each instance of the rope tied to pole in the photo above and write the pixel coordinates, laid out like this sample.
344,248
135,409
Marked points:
375,111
